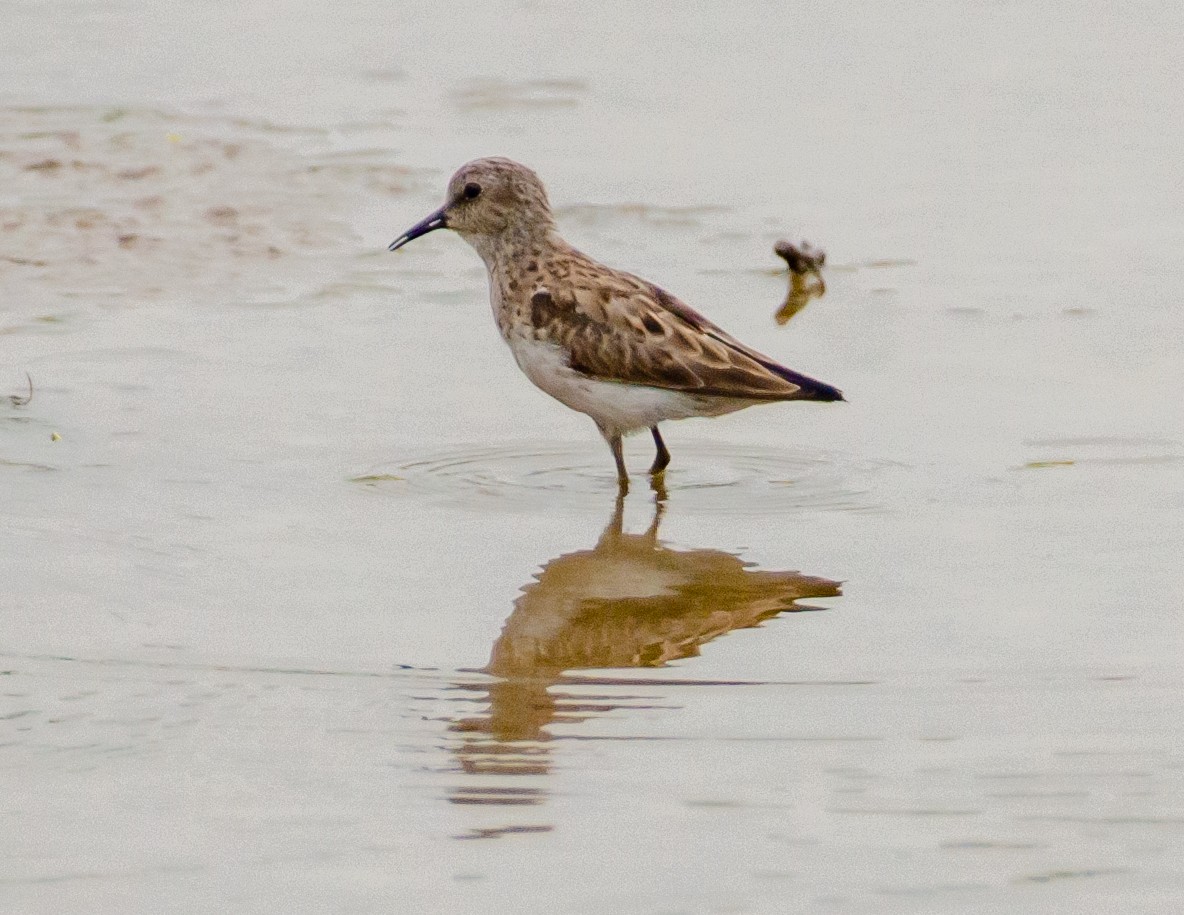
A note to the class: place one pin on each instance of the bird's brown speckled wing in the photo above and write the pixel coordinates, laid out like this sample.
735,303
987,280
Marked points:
633,332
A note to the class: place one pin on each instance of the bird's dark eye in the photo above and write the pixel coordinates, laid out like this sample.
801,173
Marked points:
472,190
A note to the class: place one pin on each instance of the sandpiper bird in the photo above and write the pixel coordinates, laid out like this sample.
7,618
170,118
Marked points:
603,342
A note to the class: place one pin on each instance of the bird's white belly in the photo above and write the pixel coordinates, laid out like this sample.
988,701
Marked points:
615,406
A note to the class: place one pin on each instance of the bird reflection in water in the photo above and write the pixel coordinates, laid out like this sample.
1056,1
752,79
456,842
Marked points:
628,602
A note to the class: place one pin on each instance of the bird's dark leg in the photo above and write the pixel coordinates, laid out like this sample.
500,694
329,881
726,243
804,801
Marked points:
662,458
614,442
613,437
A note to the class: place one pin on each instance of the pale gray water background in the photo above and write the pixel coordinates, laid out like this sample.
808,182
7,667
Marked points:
300,485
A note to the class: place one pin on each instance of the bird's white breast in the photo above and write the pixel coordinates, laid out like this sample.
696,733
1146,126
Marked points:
616,407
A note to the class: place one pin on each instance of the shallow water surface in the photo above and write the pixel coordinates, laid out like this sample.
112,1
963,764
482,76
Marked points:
308,602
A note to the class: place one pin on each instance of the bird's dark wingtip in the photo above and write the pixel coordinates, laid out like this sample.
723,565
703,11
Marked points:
808,388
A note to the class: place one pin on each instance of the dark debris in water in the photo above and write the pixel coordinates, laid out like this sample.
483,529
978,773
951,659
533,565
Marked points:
801,258
498,831
20,400
1052,876
805,264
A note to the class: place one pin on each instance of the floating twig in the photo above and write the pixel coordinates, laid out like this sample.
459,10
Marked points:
19,400
805,276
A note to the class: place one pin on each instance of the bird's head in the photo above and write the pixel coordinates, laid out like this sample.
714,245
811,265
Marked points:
486,199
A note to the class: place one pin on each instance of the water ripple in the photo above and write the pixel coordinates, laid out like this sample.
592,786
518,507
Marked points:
708,477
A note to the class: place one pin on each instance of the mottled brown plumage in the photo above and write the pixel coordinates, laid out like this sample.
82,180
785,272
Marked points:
599,340
626,330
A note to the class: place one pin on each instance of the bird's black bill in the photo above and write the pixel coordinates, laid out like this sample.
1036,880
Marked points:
438,220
